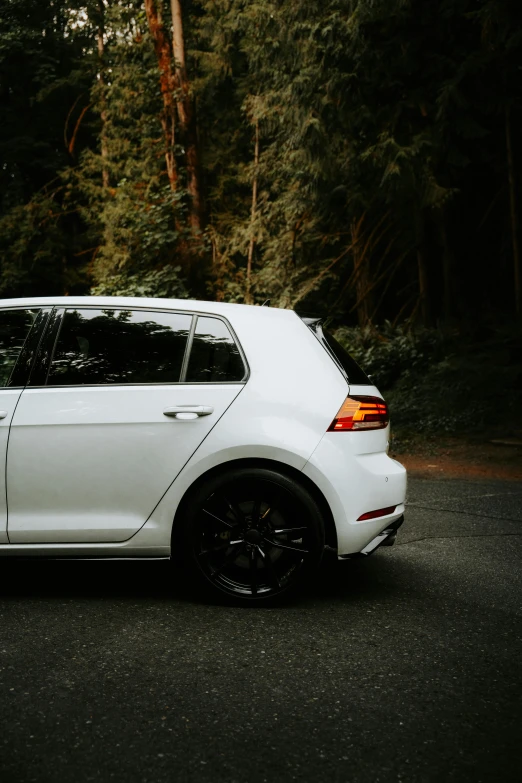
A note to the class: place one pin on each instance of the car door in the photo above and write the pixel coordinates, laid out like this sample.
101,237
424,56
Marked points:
119,401
19,332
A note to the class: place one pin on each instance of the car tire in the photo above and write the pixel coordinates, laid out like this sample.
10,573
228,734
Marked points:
253,535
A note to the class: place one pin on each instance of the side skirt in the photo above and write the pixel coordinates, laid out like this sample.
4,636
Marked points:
84,551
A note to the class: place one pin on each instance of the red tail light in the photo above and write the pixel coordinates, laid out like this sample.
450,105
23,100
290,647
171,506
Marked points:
380,512
361,413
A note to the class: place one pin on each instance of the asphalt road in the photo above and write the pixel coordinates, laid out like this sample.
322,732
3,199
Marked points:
406,666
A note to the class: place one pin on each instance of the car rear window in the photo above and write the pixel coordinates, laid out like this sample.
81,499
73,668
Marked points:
340,355
349,365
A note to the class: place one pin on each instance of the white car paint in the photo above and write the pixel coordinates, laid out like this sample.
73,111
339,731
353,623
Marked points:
99,458
8,401
90,466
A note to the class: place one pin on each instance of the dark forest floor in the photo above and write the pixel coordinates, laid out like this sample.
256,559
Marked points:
444,456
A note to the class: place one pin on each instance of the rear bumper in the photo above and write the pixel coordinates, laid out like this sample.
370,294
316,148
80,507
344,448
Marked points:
354,484
385,538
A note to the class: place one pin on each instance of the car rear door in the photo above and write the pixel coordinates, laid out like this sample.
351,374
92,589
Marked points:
19,331
118,402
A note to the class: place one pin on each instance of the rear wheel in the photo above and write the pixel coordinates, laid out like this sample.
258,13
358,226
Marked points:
253,534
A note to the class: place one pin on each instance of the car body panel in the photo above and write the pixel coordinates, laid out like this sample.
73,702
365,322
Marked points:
8,402
355,484
293,391
98,459
281,418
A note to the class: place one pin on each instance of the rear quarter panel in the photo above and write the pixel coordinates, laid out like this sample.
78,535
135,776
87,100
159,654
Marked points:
292,394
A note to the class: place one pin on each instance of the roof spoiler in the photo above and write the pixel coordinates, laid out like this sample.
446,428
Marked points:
313,323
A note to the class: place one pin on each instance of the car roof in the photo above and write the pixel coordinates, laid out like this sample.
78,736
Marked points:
226,309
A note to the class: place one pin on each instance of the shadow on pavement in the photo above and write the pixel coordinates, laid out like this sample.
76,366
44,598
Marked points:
354,580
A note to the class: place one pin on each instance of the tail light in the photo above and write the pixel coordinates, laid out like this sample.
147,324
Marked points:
361,413
380,512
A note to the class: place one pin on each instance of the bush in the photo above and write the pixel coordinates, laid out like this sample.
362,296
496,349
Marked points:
391,353
433,384
165,282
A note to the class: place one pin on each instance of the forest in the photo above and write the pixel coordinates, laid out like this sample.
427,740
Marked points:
355,159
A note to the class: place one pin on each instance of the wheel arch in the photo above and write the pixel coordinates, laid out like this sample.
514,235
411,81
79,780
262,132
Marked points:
259,462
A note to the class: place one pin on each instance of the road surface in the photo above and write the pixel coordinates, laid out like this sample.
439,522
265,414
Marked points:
406,666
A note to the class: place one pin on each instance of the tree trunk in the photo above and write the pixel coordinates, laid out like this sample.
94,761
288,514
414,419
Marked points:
447,269
187,120
361,268
103,111
424,302
513,212
251,245
164,57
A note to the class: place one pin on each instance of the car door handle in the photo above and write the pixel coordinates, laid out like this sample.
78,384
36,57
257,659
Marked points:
3,414
193,411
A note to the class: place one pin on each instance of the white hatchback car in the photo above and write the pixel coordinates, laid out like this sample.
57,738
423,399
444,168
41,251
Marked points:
245,437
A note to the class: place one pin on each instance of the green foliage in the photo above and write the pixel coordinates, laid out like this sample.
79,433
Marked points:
31,247
381,128
39,82
133,220
464,394
390,353
165,282
435,384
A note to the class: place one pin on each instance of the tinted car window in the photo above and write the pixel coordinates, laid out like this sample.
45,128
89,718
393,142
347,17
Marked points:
119,346
355,375
15,325
214,356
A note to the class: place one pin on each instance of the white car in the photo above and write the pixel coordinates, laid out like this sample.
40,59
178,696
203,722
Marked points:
244,437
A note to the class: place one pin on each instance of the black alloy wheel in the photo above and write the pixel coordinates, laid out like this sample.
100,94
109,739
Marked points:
254,534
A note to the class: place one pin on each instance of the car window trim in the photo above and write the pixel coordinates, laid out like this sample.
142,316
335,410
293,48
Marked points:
42,360
188,349
31,345
126,385
41,329
58,323
58,316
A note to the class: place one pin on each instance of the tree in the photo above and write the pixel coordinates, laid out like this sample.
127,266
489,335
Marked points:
354,158
43,94
135,224
187,120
